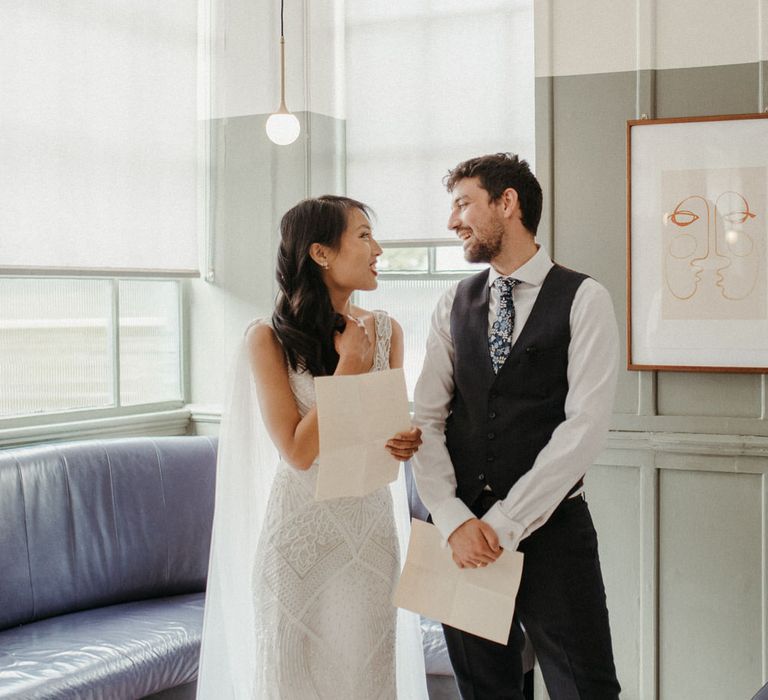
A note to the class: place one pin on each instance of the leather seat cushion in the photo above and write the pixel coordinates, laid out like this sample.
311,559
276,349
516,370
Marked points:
127,650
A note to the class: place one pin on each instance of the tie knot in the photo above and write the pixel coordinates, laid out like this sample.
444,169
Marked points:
505,285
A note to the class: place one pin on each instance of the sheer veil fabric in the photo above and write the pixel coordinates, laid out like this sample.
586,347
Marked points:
230,663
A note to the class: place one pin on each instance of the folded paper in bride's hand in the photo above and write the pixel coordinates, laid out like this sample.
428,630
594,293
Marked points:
480,601
357,414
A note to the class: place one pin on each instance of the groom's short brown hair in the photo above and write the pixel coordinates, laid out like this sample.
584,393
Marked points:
496,173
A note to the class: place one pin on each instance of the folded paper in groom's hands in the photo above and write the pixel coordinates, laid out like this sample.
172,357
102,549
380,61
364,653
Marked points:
357,414
480,601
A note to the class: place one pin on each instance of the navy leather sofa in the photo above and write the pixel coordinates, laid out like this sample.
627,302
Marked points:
103,560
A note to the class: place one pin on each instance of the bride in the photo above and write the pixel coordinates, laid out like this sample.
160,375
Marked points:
299,591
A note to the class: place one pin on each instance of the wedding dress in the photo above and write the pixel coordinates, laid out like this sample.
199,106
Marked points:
313,617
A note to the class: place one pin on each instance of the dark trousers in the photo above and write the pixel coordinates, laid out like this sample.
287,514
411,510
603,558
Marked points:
561,605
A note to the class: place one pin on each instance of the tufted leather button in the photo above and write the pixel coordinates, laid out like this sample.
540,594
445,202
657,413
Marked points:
490,458
492,415
491,436
481,477
494,394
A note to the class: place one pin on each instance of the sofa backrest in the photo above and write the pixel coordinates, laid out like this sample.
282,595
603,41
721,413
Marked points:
92,523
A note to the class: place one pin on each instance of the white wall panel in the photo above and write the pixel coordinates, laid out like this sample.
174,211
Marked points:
605,36
246,57
763,29
325,67
585,36
690,33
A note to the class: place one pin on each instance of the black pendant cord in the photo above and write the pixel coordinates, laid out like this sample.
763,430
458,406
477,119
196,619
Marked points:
281,18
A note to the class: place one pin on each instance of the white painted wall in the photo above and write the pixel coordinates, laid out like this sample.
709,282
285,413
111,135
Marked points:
578,37
246,66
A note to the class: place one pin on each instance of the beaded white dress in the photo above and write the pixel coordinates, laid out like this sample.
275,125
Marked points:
323,578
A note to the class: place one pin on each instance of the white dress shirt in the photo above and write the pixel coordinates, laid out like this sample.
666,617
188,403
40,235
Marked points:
575,443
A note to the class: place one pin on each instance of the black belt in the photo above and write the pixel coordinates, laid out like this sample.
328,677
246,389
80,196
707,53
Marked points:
486,499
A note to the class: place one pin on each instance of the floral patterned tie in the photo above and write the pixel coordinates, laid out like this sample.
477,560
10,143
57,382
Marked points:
500,337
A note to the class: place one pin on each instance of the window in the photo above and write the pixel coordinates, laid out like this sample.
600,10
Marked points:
75,344
102,195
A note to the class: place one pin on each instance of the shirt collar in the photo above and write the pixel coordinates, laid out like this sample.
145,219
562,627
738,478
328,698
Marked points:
533,272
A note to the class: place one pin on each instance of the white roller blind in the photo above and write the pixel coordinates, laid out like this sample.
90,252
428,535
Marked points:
430,84
99,135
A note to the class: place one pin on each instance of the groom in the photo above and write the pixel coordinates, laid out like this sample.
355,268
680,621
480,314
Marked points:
514,401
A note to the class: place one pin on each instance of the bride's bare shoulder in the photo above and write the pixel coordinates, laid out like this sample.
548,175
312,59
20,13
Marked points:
261,339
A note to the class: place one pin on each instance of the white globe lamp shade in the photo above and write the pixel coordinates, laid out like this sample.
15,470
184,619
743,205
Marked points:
283,128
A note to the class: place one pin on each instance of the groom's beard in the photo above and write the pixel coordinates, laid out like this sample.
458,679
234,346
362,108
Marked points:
485,250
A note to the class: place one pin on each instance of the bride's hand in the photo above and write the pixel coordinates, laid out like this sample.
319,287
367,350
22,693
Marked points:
404,445
353,346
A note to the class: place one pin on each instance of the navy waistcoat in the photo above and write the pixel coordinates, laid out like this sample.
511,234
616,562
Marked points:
499,423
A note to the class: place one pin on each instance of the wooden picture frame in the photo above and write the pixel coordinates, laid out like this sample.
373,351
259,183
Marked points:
697,244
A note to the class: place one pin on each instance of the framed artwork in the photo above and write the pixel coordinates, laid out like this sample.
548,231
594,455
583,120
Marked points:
697,259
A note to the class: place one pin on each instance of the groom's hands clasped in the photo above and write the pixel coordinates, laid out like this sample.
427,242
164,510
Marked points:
474,544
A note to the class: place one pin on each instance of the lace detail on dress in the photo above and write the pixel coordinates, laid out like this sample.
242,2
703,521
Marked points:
383,324
323,580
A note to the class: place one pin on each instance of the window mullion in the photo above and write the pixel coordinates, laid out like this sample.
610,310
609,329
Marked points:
116,341
183,365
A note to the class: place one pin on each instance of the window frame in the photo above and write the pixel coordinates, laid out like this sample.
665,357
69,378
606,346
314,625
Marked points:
432,273
86,422
171,417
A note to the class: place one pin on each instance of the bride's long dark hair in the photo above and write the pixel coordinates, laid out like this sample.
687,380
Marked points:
304,320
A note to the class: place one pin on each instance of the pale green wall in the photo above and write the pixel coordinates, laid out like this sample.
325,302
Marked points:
678,496
581,139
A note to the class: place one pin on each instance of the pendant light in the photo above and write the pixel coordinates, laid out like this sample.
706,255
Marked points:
282,126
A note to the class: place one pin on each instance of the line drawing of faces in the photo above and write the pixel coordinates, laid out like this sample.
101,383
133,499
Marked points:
733,228
711,237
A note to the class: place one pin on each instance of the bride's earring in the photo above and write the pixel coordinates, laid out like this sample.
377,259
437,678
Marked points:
318,253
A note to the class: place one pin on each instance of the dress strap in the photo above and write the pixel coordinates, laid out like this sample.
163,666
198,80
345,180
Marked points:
383,324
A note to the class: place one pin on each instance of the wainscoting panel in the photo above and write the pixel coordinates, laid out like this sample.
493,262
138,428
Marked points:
614,496
733,395
710,584
682,529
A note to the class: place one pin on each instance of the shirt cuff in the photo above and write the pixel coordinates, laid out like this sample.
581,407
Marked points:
507,530
450,515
